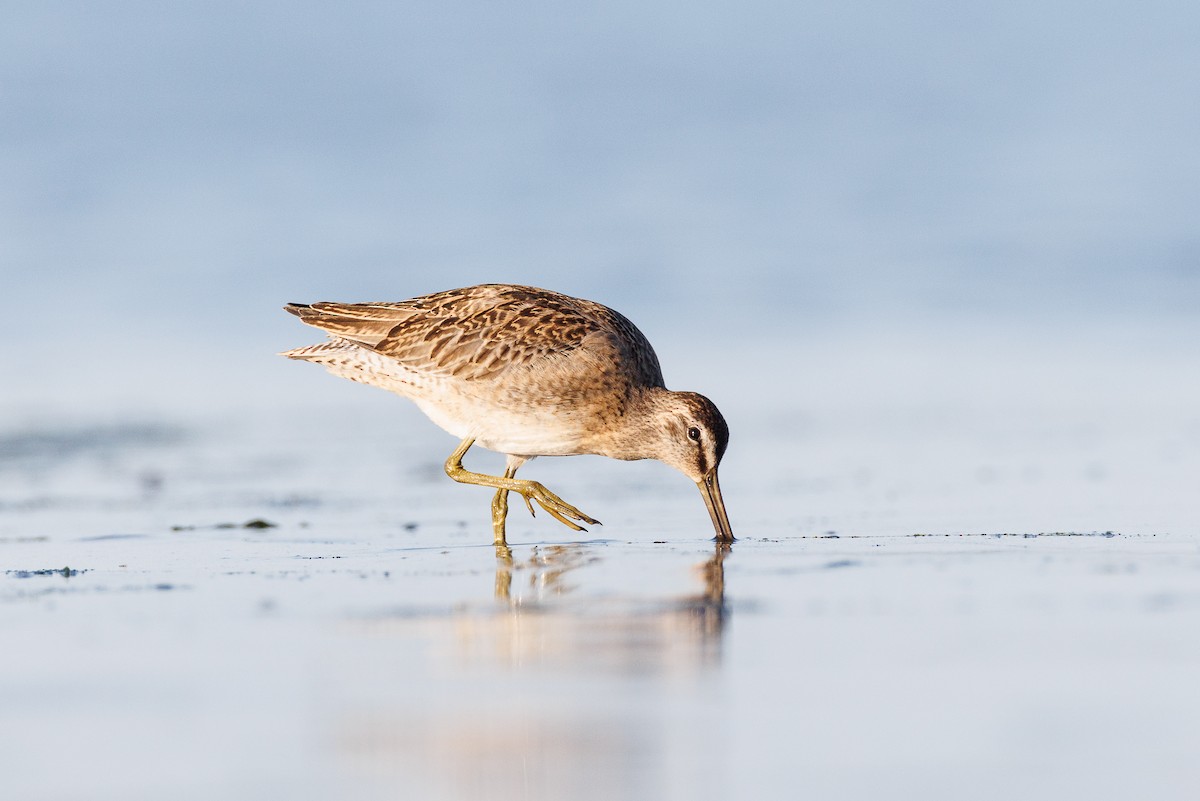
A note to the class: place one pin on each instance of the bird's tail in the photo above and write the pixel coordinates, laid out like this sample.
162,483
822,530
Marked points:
316,352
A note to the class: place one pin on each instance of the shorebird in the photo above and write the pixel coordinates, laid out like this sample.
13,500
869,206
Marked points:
525,372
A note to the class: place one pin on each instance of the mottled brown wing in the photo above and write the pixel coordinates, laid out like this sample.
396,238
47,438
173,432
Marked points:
483,331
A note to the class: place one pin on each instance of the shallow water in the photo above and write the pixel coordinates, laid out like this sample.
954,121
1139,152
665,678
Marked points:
937,266
927,599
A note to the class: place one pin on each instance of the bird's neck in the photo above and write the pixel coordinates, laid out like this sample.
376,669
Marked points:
639,429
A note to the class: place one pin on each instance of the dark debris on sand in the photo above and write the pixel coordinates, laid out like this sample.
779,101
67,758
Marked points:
256,523
65,572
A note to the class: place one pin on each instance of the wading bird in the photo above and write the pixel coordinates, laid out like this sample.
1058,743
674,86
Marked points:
525,372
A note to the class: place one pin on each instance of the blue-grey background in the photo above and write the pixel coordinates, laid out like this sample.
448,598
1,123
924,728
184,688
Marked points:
171,173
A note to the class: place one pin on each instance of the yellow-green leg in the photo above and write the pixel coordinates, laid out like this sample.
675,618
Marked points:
500,504
562,511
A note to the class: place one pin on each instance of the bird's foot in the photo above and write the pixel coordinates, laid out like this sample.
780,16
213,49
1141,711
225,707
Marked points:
562,511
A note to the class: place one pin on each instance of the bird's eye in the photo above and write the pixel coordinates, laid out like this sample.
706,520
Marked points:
694,434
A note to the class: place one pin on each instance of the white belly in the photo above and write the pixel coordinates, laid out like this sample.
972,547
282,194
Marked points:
524,433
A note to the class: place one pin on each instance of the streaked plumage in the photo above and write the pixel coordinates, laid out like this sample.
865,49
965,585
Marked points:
526,372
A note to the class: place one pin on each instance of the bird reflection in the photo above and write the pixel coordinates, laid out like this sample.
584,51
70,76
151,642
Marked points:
709,608
507,705
504,571
550,609
550,570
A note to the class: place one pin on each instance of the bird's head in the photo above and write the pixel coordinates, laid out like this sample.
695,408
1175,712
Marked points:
692,438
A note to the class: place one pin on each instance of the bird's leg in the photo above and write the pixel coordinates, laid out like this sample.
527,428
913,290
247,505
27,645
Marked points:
500,504
529,490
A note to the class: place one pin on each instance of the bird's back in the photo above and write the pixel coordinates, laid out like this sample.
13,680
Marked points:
483,332
556,359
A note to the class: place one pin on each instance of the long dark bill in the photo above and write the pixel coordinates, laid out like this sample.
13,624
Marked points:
711,491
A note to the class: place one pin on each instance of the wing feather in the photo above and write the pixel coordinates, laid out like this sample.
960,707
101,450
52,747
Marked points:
485,331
